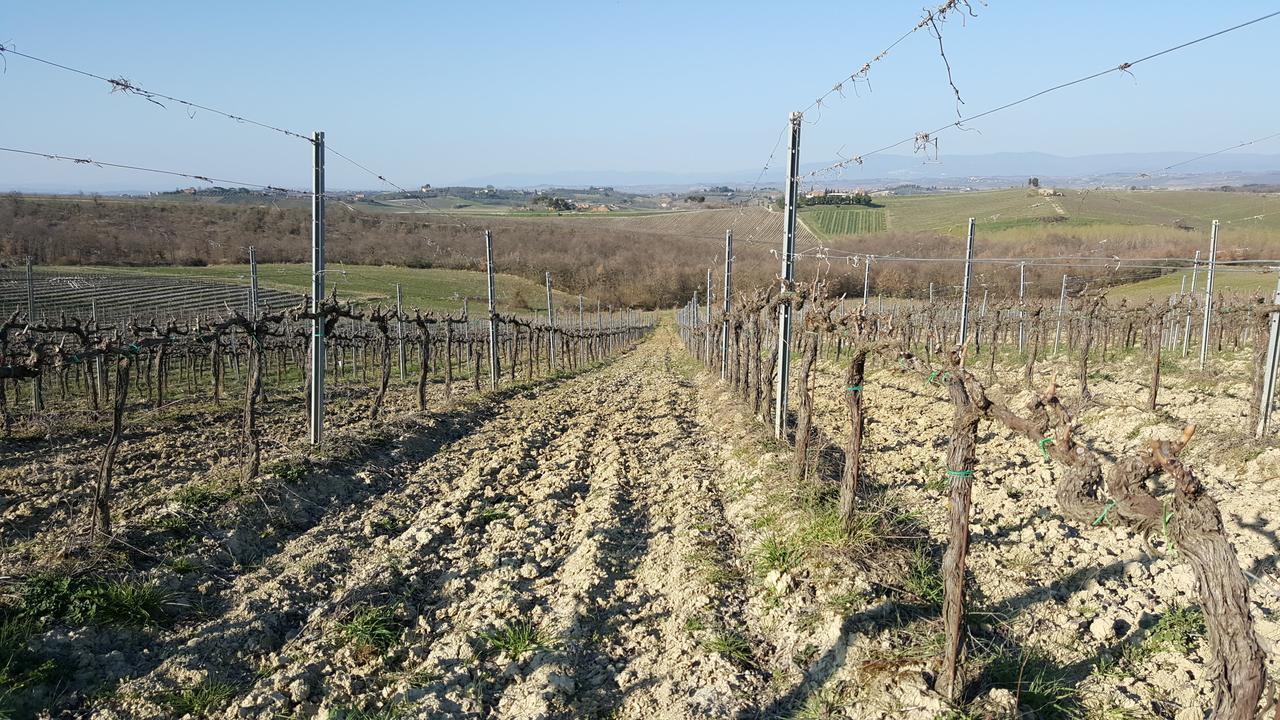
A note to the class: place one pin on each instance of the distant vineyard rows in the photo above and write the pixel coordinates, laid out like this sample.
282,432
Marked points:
845,220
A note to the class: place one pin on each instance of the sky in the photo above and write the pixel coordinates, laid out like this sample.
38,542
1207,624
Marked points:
441,93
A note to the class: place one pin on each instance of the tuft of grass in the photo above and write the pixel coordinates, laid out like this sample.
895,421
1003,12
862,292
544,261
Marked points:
201,497
825,703
182,565
20,669
516,638
730,645
923,578
713,567
847,602
1041,686
87,601
775,554
371,629
290,471
174,523
201,700
491,513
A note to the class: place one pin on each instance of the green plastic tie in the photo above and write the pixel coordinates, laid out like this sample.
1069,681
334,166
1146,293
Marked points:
960,473
1046,441
855,388
1103,516
932,375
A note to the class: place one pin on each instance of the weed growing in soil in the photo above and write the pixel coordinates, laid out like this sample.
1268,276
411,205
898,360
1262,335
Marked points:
290,471
202,497
516,638
200,700
775,554
1178,630
182,566
923,578
731,645
371,629
712,567
19,668
1040,685
94,602
491,513
824,703
846,603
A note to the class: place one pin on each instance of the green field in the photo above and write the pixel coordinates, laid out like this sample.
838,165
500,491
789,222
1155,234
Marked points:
995,210
1227,282
425,289
834,220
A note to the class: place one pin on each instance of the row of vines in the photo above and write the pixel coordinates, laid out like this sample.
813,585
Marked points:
61,377
921,340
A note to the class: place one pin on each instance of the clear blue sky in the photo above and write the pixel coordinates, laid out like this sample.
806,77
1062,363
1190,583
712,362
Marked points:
440,93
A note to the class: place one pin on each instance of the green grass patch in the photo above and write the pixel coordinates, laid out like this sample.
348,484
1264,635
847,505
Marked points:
923,578
730,645
290,471
777,554
203,496
371,629
843,220
1041,685
92,601
20,669
516,638
201,700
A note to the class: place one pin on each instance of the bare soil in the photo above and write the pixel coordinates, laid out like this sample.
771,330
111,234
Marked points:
624,543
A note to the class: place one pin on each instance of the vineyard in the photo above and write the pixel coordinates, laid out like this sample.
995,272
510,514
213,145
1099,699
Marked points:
1043,517
1034,537
828,221
712,449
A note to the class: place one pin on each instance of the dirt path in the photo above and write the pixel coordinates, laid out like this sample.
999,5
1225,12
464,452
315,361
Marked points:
546,564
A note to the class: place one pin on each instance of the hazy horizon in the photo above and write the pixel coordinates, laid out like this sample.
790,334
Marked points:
455,95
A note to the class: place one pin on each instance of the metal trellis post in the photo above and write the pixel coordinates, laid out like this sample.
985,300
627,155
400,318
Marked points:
1208,294
400,328
788,275
551,326
317,291
1268,381
964,289
728,288
31,292
494,370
